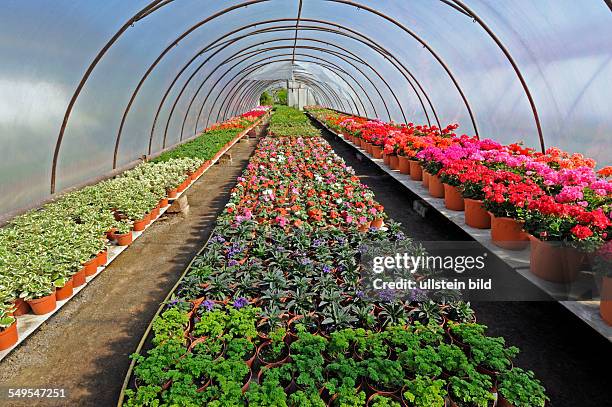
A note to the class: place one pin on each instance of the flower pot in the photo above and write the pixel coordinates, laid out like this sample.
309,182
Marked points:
369,148
404,165
377,223
64,292
386,158
154,213
21,307
172,193
416,171
8,336
389,395
476,215
125,239
605,304
502,402
79,278
44,305
139,225
507,233
363,144
102,258
453,199
109,234
436,187
377,151
393,162
553,262
260,351
91,266
425,179
364,227
163,203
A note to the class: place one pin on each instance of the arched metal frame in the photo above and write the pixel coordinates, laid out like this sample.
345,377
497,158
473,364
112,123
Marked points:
311,56
158,4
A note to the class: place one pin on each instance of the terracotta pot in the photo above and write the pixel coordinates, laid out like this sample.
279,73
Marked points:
125,239
476,215
394,162
65,292
91,266
163,203
605,304
284,356
364,227
44,305
416,171
425,180
8,336
390,395
154,213
79,278
363,144
552,262
21,307
386,158
102,258
139,225
377,151
172,193
502,402
453,199
403,165
377,223
436,187
109,234
507,233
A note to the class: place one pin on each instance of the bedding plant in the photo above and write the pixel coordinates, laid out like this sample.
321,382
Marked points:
281,272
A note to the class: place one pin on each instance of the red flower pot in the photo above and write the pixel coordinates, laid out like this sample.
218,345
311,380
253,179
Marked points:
507,233
364,227
91,266
394,162
125,239
102,258
416,171
476,215
8,336
386,158
605,304
425,179
553,262
21,307
172,193
140,225
363,144
44,305
377,223
404,165
64,292
154,213
453,199
436,187
163,203
377,151
79,278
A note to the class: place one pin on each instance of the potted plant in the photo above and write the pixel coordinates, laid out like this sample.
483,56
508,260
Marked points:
379,400
519,388
39,292
8,326
474,391
275,351
602,265
424,391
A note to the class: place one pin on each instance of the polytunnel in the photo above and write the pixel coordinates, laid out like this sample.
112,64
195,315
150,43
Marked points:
239,166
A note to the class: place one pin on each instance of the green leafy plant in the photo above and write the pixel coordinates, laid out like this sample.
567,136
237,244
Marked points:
425,392
521,389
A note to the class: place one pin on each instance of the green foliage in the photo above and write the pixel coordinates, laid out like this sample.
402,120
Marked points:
425,392
290,122
266,99
521,389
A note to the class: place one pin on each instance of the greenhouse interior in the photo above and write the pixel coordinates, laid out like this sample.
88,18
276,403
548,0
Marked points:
306,203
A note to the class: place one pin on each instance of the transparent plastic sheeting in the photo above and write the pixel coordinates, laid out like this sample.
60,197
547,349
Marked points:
359,59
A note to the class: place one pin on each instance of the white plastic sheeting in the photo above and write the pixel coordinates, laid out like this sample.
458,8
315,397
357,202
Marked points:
389,59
